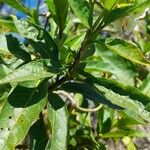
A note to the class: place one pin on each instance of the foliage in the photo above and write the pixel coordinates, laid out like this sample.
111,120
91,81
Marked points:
74,77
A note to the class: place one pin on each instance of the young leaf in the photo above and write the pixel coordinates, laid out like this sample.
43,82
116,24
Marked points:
15,122
59,10
58,117
32,71
82,9
16,4
127,50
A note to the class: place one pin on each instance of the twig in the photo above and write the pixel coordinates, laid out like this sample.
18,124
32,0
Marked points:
74,104
47,15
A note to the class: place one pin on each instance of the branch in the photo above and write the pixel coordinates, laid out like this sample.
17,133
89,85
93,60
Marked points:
74,104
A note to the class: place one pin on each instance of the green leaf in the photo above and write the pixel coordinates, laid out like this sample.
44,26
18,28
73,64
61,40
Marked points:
127,97
59,10
7,24
52,49
82,10
124,101
58,117
4,89
16,4
74,41
127,50
111,62
108,4
47,49
88,92
38,135
3,46
140,5
121,133
25,29
118,87
36,94
32,71
15,122
145,87
14,47
115,14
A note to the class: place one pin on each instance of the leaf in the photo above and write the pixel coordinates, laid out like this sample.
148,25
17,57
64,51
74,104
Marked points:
32,71
109,4
59,10
14,47
25,29
36,94
124,101
118,87
118,13
47,49
16,4
127,97
38,136
89,93
121,133
58,117
4,89
7,24
140,4
52,49
15,122
74,41
145,87
3,46
127,50
111,62
82,10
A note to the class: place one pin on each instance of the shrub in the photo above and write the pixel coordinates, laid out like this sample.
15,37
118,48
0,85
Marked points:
74,76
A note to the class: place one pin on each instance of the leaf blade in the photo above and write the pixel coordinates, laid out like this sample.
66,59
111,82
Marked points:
15,121
82,10
31,71
59,10
58,117
127,50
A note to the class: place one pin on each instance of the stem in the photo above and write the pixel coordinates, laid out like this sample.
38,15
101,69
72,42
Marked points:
89,38
74,104
47,14
58,82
